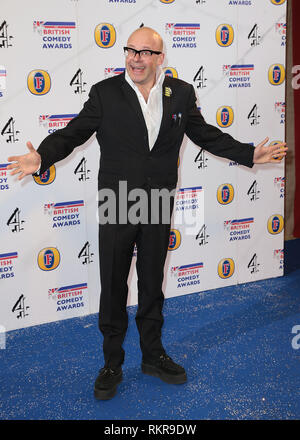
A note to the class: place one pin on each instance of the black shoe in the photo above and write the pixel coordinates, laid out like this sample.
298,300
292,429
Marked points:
166,369
107,382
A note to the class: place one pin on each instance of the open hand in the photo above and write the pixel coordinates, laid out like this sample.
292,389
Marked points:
270,154
25,164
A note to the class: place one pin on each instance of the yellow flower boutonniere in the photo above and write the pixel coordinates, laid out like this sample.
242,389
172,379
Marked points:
168,92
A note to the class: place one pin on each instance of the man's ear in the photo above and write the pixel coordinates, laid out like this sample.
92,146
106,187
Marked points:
161,58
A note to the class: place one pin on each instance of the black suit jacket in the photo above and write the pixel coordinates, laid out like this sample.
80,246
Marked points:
114,113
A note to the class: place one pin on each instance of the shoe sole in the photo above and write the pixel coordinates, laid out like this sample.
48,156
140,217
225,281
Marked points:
168,378
106,394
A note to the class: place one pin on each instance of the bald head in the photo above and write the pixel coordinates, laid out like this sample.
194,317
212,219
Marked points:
146,36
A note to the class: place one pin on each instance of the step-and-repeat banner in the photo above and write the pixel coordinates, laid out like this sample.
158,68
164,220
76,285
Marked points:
51,53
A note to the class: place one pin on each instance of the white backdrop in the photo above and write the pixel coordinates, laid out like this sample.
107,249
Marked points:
51,53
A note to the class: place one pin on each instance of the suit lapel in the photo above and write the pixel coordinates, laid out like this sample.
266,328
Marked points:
131,97
167,97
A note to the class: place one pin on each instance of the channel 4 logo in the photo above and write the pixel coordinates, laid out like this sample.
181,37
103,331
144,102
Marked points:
78,83
5,37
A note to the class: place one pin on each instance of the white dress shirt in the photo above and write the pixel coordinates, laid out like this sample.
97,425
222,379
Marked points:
153,108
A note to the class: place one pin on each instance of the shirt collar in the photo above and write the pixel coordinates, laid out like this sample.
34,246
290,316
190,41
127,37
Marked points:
160,76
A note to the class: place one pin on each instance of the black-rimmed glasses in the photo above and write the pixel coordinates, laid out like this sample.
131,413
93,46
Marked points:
144,53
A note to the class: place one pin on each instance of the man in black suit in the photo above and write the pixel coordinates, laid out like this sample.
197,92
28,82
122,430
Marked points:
140,118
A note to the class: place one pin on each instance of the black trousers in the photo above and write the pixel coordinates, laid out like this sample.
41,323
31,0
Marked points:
116,245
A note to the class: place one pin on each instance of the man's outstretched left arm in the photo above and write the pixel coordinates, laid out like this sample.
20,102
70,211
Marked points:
224,145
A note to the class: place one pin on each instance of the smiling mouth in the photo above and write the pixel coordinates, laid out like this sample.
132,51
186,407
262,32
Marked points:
137,69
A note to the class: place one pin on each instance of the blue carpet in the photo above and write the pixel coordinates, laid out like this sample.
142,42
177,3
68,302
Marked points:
235,344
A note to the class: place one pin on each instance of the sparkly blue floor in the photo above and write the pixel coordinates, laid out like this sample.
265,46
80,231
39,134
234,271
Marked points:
235,344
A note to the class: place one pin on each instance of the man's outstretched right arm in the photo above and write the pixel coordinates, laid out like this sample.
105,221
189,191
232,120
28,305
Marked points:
61,143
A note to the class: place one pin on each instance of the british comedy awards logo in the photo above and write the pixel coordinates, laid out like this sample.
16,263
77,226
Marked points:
2,80
238,229
69,297
280,111
184,35
189,209
55,122
240,2
4,185
279,183
121,1
187,198
187,275
64,214
7,262
105,35
280,29
278,256
113,71
238,75
55,34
